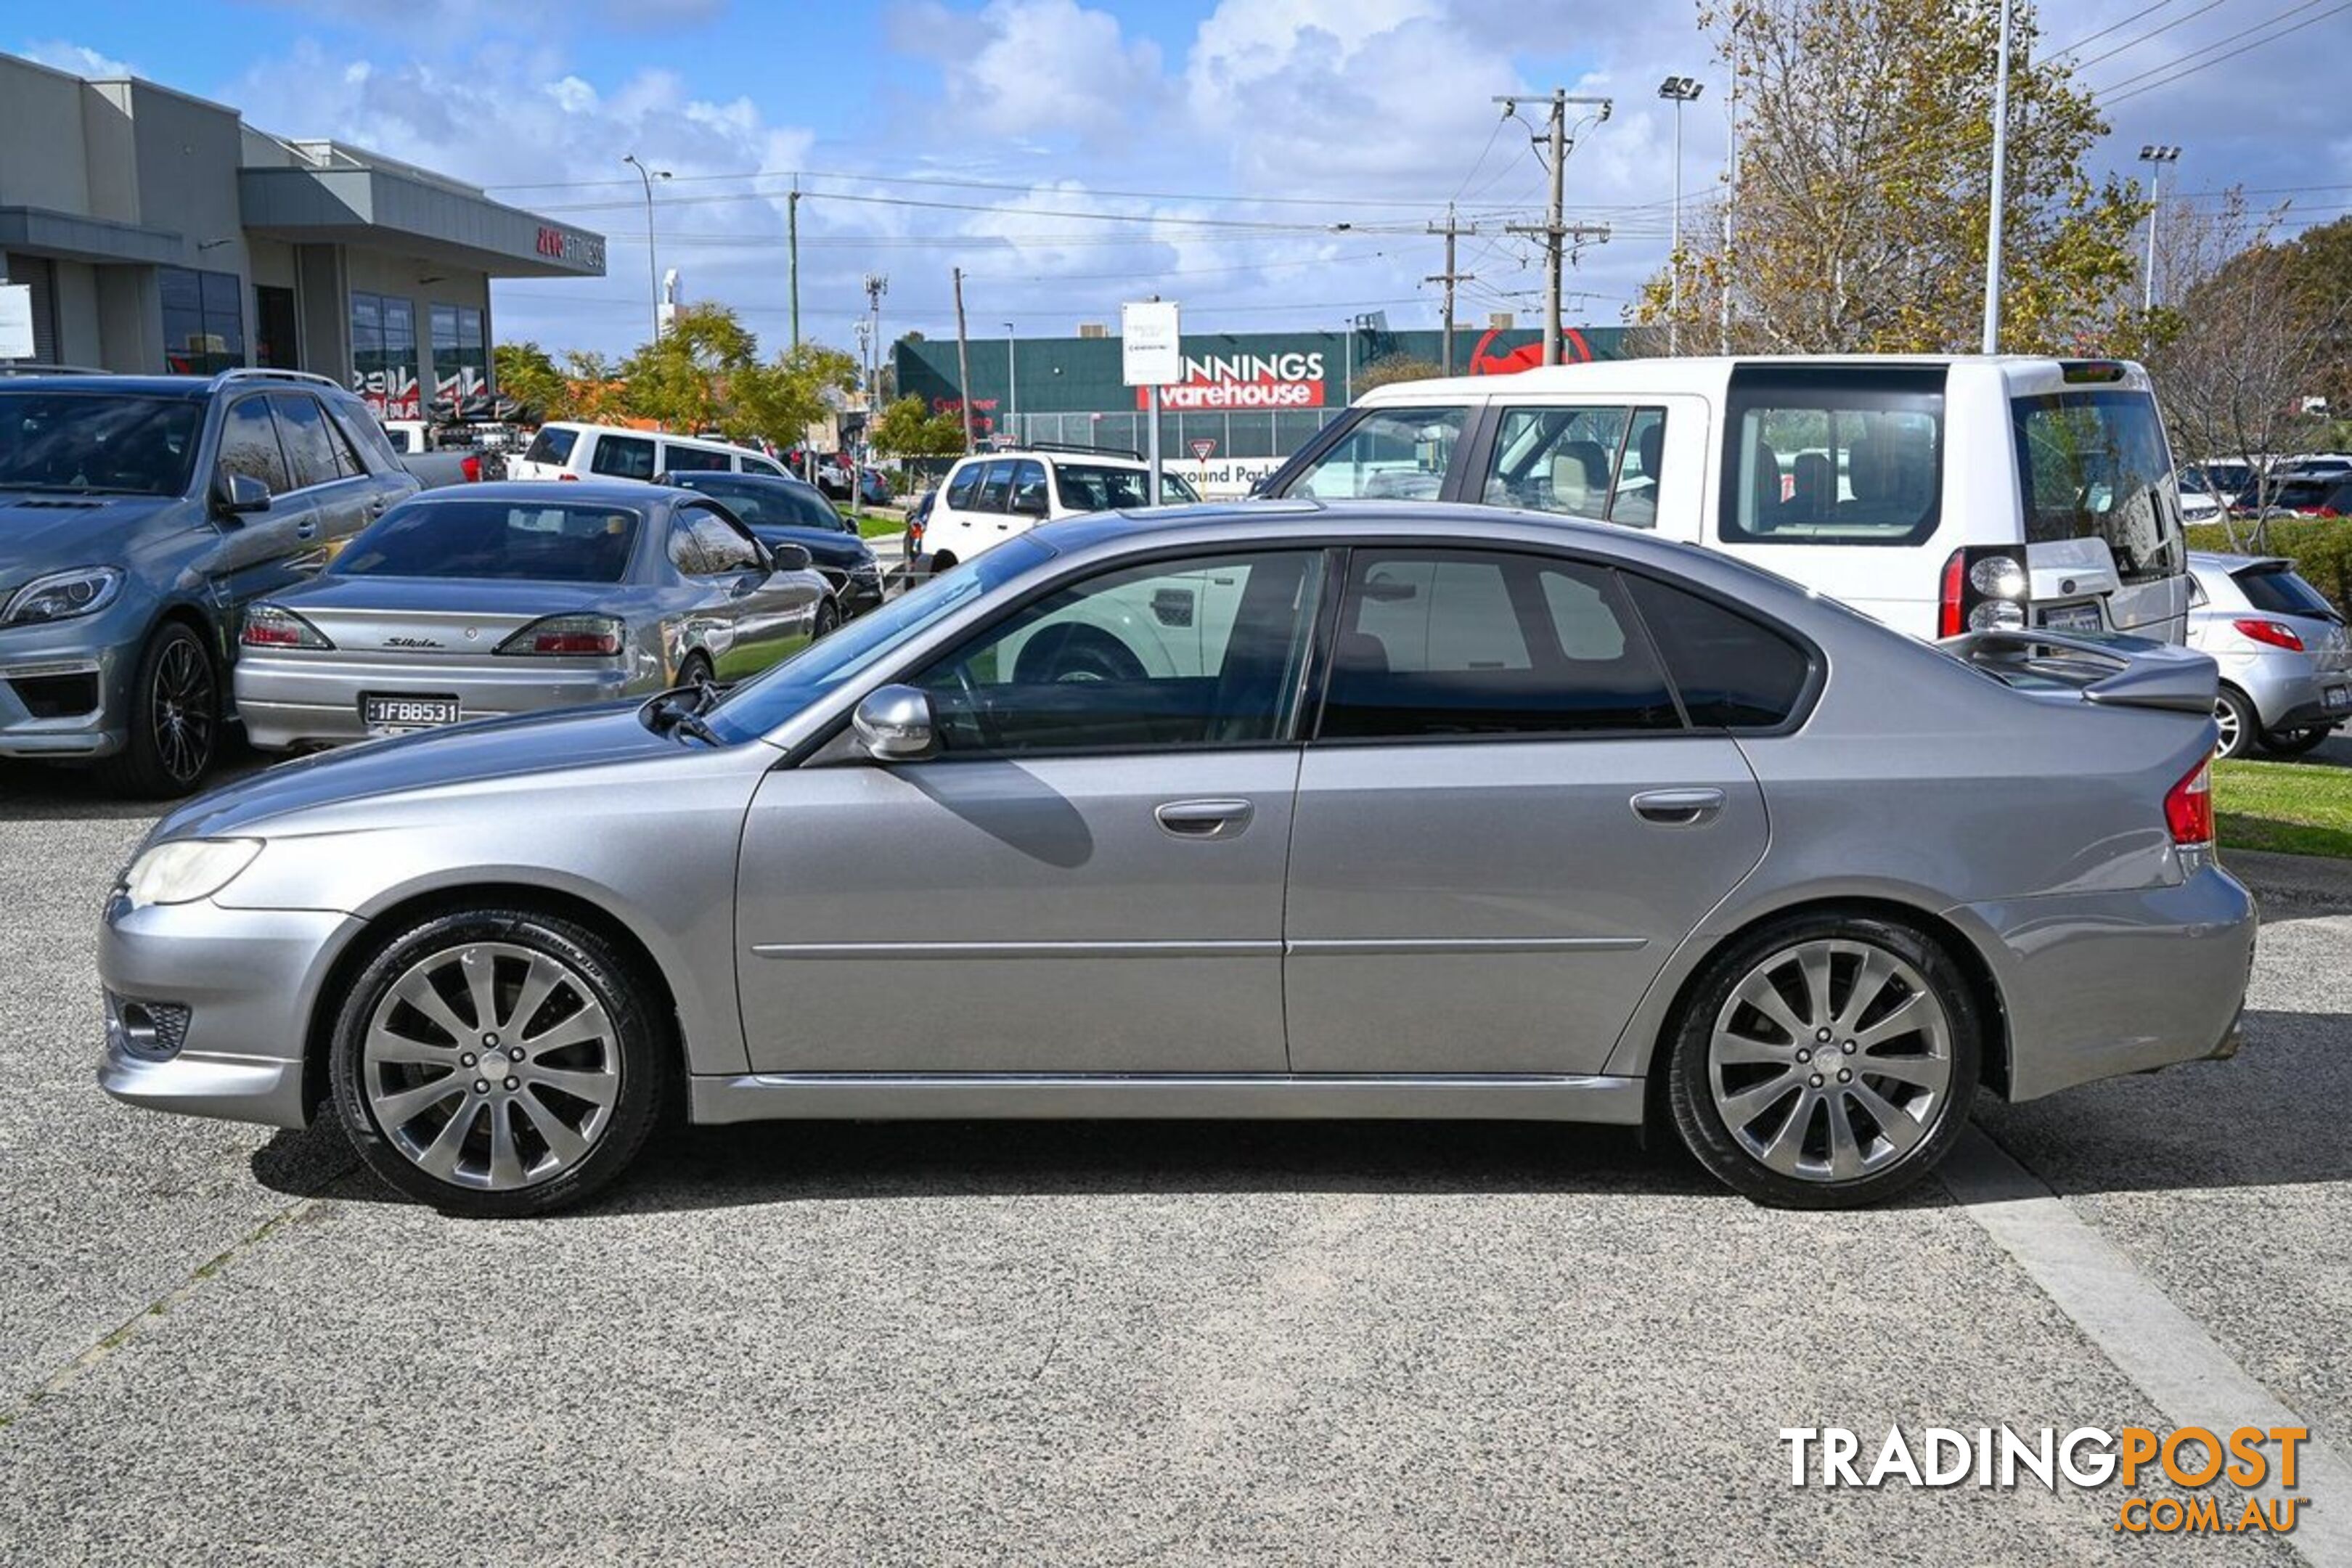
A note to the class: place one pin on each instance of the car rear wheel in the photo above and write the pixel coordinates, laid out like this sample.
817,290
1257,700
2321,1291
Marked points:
499,1062
2240,724
1825,1062
828,620
2293,742
174,720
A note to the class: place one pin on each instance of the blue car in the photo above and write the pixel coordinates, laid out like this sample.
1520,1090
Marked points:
793,511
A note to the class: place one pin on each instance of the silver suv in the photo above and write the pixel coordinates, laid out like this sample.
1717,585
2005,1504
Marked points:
138,516
2286,662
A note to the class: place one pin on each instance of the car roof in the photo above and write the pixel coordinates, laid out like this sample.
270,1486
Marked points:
190,386
547,493
1059,455
2217,561
1702,374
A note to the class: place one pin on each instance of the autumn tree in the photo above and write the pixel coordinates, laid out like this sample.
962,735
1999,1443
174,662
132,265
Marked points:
703,372
1864,183
907,428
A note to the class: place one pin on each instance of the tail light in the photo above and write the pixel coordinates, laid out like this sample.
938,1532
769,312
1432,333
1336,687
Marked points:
471,467
1982,587
592,635
2270,632
2188,807
266,626
573,478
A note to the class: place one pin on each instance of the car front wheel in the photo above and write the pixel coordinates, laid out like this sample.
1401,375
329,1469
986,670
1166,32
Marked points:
499,1062
174,720
1825,1062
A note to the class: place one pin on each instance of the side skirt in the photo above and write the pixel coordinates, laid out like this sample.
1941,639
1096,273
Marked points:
888,1097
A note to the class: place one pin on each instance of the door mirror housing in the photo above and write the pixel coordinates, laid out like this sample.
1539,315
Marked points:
894,723
788,558
1031,503
239,495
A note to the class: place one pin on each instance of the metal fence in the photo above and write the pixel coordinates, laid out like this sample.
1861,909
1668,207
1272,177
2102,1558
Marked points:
1248,433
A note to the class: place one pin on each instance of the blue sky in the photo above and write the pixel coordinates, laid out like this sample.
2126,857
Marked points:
1270,163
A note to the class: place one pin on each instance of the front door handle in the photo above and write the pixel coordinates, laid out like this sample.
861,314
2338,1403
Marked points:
1204,818
1678,807
307,529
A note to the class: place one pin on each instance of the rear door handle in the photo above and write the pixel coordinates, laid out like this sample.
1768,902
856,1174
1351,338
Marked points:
1678,807
1204,818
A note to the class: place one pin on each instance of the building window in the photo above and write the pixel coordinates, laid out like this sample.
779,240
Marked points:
203,329
384,369
461,354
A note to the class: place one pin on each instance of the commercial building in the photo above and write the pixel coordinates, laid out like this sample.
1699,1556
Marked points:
159,232
1247,401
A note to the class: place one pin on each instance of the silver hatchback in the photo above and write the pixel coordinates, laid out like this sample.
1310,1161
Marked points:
2285,656
1289,810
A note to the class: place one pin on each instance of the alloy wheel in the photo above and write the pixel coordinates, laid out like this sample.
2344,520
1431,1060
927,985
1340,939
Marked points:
181,709
1829,1060
491,1066
2233,737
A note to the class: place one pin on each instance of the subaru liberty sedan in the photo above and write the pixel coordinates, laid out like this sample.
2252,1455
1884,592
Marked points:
1295,810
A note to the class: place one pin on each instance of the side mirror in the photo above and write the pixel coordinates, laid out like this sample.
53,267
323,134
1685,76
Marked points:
1029,505
893,724
239,495
788,558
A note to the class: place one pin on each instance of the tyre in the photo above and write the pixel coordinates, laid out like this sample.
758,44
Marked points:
695,671
1069,653
2239,722
174,720
497,1062
828,620
2292,742
1825,1061
942,563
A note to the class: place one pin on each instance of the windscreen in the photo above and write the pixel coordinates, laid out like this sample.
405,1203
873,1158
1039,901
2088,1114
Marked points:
97,443
502,540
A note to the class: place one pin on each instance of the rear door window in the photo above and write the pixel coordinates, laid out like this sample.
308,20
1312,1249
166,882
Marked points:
2092,465
680,459
623,458
1398,454
996,489
1567,460
1443,643
1832,454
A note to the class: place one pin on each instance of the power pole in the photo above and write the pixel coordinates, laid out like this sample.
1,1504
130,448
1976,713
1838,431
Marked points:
964,364
1556,232
793,244
1450,278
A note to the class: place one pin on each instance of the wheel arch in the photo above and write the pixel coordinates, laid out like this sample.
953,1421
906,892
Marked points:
382,926
1956,944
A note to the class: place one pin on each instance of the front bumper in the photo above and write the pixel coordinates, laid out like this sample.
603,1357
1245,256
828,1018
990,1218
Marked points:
2098,985
287,702
61,697
248,980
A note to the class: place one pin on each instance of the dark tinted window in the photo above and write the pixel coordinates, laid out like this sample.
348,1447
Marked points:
996,489
552,445
683,459
1832,454
506,540
965,484
622,456
1731,672
1202,652
2093,466
310,445
1100,486
762,466
249,444
1029,489
2279,590
1436,643
72,441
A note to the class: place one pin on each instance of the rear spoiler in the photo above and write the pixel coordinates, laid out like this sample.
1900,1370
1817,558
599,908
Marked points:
2105,668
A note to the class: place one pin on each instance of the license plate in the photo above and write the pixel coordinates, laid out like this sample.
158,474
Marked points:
2073,618
398,715
2336,698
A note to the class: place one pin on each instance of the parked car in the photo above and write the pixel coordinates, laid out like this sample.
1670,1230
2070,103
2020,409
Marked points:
138,515
508,598
991,496
1368,810
873,490
1940,495
565,450
434,464
2285,658
793,511
2307,497
2315,466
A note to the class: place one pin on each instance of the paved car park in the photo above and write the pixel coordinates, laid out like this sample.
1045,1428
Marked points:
1107,1341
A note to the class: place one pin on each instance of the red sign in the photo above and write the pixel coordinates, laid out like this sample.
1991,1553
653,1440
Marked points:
1204,449
1243,381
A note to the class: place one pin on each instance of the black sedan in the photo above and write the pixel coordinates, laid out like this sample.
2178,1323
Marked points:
793,511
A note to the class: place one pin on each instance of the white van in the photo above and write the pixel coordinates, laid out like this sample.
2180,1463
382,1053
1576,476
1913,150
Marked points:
566,450
990,497
1938,494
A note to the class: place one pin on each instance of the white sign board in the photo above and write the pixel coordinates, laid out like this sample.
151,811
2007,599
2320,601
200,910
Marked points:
16,322
1151,352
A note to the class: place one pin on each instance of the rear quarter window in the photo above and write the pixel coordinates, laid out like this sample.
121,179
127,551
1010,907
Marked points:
1731,672
552,446
1832,454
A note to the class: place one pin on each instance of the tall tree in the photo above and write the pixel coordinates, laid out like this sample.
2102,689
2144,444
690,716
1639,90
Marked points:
906,428
1864,183
527,373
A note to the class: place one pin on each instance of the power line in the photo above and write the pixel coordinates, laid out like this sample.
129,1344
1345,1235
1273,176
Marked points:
2094,37
2130,44
2183,68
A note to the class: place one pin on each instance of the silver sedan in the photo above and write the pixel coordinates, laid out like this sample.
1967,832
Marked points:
479,601
1295,811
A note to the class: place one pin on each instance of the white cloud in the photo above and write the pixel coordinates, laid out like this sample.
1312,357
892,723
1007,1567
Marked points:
1052,66
78,58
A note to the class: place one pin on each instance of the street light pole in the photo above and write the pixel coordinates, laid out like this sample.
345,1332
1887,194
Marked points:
1680,89
1991,345
653,267
2156,155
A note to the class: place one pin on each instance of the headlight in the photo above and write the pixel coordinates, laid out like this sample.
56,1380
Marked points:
186,870
62,595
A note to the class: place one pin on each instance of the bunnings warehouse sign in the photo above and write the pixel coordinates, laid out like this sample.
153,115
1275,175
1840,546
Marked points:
1291,380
